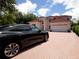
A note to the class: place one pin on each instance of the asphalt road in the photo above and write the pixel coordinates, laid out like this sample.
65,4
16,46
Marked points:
61,45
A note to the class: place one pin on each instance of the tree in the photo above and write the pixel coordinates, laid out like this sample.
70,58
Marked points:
78,22
7,11
25,18
7,5
7,19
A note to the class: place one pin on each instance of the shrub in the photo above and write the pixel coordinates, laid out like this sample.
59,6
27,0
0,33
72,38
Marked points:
73,28
76,29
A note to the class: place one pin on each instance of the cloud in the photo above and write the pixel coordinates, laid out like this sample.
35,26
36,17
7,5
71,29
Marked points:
43,11
27,6
68,3
56,14
74,13
73,5
35,14
57,1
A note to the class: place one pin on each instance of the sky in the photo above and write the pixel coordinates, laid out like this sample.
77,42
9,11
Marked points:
49,7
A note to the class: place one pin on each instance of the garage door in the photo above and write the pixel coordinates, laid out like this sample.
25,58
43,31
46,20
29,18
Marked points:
59,28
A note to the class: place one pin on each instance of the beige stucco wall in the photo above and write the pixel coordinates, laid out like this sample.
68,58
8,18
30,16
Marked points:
45,23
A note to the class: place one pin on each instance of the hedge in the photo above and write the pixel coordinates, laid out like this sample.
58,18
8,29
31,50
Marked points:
76,29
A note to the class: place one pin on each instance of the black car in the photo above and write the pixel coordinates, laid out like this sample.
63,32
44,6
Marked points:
3,26
16,37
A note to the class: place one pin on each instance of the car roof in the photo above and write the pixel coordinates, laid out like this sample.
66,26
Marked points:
15,26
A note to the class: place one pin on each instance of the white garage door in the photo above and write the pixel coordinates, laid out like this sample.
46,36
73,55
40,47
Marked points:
60,28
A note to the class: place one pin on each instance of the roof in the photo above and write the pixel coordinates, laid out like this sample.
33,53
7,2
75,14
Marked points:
59,18
64,18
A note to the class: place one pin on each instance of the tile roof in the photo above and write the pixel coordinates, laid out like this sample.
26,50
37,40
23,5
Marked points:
59,18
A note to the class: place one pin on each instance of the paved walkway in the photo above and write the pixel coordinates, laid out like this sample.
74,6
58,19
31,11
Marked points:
61,45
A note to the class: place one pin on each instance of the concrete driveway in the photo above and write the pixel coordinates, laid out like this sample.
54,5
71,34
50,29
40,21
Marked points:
61,45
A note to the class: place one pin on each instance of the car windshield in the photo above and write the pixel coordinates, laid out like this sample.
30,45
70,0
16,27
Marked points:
34,28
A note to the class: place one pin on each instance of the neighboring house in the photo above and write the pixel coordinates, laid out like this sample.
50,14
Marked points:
53,23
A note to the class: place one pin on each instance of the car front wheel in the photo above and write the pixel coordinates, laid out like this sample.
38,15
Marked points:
10,50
